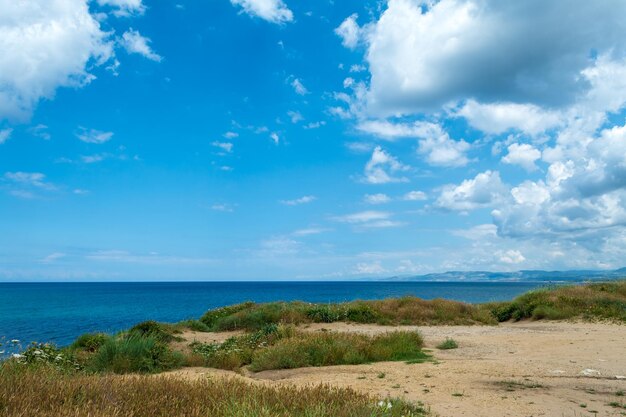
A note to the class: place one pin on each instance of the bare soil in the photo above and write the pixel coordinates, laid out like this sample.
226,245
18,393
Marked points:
513,369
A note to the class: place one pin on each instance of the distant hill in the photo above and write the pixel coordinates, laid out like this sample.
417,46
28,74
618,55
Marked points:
524,275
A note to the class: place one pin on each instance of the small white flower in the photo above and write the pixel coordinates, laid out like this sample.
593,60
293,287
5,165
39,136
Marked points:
381,403
17,356
15,341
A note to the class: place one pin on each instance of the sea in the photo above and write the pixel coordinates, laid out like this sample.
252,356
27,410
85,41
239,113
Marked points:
59,312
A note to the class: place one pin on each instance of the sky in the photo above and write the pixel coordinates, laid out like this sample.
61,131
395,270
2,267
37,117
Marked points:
309,140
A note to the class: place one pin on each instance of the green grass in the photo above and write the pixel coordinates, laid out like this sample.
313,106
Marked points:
46,392
283,347
134,353
448,344
596,301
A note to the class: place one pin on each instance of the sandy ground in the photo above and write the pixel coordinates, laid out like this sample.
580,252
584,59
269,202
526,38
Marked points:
514,369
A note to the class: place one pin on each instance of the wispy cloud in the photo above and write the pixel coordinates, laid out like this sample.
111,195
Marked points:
298,201
93,135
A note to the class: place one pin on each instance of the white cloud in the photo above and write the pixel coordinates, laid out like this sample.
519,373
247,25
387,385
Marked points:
415,196
274,136
310,231
373,268
369,219
5,134
274,11
27,184
53,257
124,7
364,217
497,118
382,166
511,256
230,135
422,56
379,198
225,146
348,82
523,155
298,201
295,116
46,45
314,125
298,87
349,31
435,144
483,191
135,43
227,208
93,135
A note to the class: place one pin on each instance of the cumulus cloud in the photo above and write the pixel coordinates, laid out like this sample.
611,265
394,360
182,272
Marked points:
274,11
349,31
434,142
382,167
511,256
583,196
45,46
523,155
497,118
422,56
482,191
93,135
415,196
135,43
124,7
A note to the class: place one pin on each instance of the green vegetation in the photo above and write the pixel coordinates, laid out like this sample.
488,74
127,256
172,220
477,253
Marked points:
406,310
134,353
448,344
597,301
47,392
283,347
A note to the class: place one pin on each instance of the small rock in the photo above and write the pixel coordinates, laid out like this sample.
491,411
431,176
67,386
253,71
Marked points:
589,372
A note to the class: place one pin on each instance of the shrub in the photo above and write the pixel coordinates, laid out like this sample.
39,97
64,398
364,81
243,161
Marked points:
44,354
195,325
163,333
448,344
133,353
90,342
330,348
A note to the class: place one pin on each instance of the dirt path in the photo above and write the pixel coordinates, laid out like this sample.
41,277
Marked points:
523,369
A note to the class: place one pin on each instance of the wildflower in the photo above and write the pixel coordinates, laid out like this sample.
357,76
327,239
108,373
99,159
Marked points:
17,356
15,341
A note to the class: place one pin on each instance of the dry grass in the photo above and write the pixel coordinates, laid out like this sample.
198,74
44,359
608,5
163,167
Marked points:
606,300
45,392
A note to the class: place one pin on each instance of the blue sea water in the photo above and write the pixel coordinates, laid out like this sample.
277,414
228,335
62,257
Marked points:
58,312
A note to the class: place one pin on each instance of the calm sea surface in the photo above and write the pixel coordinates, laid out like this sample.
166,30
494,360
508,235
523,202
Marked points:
58,312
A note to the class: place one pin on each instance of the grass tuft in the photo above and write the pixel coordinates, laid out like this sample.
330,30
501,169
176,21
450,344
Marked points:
448,344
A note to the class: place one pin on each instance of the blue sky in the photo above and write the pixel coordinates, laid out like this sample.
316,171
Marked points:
269,139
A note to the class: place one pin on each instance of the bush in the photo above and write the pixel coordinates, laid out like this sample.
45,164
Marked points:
144,354
163,333
323,349
195,325
45,354
90,342
448,344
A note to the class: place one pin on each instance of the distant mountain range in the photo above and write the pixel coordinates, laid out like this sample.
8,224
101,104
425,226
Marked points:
531,275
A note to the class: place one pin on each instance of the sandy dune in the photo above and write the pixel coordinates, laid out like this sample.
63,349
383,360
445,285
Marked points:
514,369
